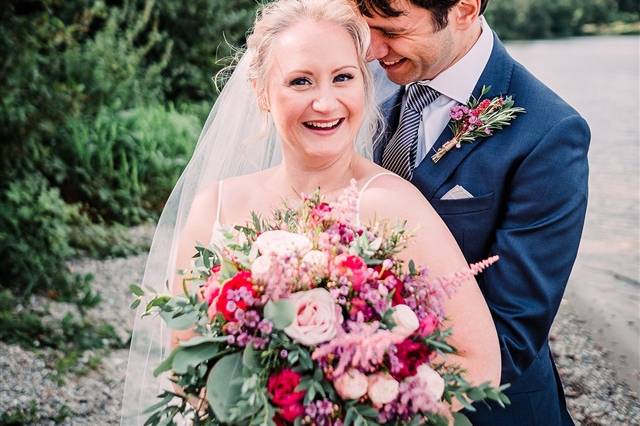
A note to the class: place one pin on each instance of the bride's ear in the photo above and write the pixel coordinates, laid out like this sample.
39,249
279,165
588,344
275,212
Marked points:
261,96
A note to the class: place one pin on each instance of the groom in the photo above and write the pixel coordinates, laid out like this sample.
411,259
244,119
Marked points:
520,193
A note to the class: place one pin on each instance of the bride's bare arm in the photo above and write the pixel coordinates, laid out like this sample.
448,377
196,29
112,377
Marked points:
474,336
197,230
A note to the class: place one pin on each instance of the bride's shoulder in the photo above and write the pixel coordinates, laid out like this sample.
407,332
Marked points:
388,195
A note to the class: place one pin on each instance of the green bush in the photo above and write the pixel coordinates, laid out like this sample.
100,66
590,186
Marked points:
527,19
123,165
204,32
34,238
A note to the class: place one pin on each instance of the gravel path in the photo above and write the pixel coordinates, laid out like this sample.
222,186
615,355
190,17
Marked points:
594,395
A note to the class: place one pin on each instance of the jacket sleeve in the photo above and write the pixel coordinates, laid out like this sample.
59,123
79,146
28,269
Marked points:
537,240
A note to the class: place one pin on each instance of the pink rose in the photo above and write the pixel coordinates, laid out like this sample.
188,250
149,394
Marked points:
428,325
383,389
430,379
211,290
351,385
317,317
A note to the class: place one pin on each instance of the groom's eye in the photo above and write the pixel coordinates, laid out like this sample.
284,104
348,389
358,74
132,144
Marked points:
343,77
300,81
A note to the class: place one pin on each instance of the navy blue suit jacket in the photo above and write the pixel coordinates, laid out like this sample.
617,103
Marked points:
529,183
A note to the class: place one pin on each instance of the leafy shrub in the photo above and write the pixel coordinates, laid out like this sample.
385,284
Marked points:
34,238
123,165
526,19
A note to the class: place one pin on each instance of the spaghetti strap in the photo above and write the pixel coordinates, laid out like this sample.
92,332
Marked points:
364,187
217,223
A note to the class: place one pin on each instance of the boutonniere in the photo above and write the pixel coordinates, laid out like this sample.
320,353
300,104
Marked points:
478,119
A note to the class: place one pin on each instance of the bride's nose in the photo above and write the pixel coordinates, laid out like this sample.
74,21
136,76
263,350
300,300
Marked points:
325,102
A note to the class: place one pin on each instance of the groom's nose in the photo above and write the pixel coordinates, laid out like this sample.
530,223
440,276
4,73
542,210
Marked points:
378,49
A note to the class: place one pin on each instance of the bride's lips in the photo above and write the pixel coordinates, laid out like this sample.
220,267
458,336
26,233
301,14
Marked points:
323,127
390,65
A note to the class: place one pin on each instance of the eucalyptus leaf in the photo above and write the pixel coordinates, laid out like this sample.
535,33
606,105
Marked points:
250,358
198,340
166,364
280,313
460,419
223,388
135,304
192,356
181,322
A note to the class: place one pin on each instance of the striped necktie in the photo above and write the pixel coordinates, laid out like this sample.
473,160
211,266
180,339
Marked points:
399,155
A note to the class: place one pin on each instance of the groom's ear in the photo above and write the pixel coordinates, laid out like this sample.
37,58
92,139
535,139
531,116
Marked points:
465,13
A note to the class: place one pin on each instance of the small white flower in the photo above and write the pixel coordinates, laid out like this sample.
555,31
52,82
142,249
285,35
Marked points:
283,243
406,321
260,268
317,263
431,380
382,389
351,385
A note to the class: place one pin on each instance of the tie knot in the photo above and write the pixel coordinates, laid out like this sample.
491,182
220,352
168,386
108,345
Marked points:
420,95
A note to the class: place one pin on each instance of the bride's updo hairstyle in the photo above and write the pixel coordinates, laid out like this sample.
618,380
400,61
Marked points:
276,17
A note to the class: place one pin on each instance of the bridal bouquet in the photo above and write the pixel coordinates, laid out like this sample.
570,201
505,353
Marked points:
310,319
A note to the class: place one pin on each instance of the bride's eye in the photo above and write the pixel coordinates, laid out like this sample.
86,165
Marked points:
300,81
343,77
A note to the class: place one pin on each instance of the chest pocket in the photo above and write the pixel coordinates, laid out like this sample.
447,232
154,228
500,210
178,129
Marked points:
468,219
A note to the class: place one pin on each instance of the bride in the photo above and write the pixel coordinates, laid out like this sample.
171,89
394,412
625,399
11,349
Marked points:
304,74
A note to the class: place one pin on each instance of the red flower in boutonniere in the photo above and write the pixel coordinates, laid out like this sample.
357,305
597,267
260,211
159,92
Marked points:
478,119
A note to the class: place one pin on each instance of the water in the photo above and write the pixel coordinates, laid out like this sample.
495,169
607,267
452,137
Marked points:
599,76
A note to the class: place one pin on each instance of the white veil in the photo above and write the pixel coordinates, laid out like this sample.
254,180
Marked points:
236,139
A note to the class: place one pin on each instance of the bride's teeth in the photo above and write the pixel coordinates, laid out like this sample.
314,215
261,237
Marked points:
325,125
391,62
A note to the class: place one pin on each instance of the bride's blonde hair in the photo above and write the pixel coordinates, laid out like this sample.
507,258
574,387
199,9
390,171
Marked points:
274,18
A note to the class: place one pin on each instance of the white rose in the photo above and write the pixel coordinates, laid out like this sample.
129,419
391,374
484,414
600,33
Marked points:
317,317
351,385
317,263
383,389
260,268
406,321
431,380
283,243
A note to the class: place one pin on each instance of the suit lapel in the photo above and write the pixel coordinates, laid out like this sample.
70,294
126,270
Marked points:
429,176
390,110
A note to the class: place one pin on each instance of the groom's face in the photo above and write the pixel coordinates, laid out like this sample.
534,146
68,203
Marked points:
409,47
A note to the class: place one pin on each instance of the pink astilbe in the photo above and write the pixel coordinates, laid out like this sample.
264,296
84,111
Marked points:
432,293
346,207
363,347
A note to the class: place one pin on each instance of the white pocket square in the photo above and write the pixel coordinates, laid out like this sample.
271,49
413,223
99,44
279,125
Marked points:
457,193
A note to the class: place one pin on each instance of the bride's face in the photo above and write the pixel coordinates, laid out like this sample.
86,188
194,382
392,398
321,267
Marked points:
315,90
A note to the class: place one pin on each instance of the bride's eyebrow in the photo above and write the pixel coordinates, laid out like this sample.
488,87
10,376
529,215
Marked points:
309,72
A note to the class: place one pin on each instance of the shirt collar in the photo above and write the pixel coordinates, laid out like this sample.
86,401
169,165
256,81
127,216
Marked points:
458,81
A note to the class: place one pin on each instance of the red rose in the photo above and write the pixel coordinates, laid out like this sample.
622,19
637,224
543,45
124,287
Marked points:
240,280
411,355
282,388
398,286
290,412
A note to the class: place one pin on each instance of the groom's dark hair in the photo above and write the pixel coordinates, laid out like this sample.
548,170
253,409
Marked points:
439,8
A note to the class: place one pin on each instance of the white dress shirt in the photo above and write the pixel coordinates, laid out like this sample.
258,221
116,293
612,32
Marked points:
456,85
